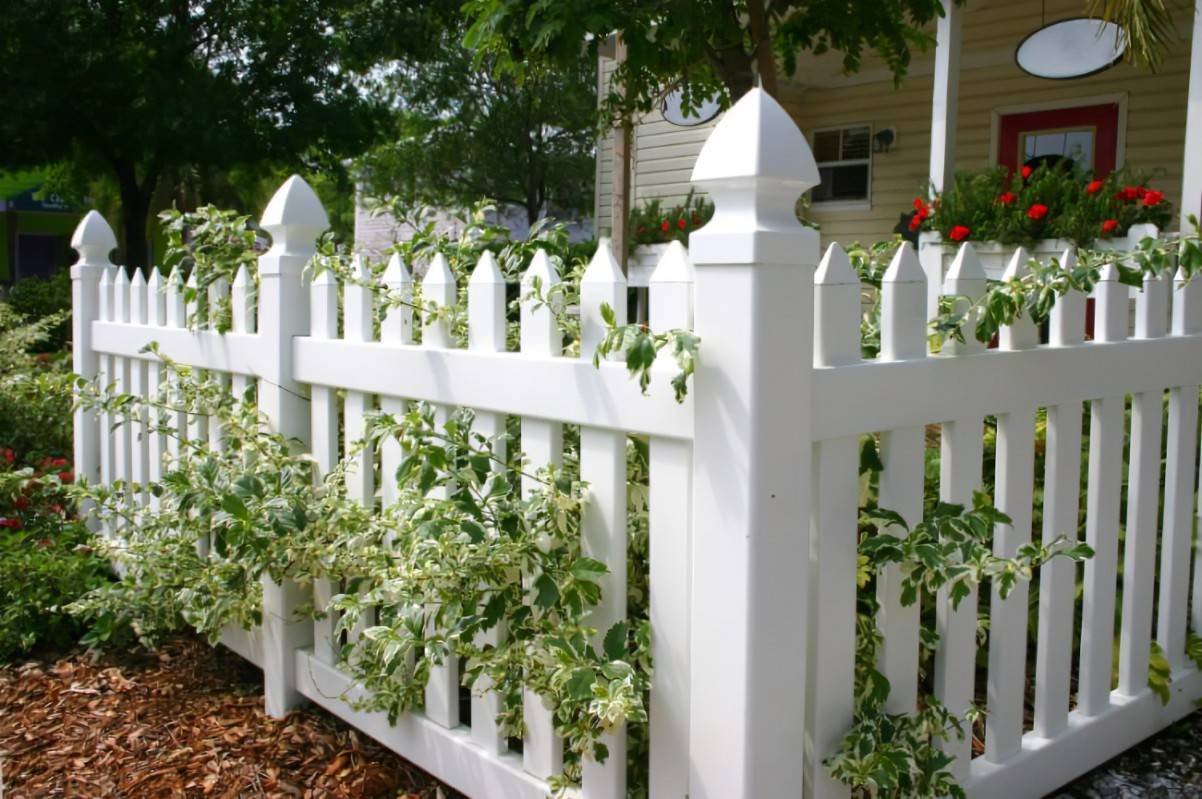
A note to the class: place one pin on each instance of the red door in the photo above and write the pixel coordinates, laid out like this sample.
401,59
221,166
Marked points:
1086,135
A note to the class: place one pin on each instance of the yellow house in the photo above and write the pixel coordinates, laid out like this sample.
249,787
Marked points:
964,105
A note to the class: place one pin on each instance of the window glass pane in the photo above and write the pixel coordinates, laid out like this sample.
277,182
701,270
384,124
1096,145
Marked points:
855,143
826,146
1052,146
822,192
850,182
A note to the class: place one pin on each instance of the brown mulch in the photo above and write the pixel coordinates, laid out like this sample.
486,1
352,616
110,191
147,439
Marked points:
187,721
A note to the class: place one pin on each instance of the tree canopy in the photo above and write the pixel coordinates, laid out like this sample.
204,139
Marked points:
463,131
704,47
148,91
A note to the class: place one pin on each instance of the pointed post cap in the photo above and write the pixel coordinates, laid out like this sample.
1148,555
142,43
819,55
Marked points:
93,239
155,281
1017,266
242,278
138,279
396,273
835,269
757,139
965,266
294,217
674,266
904,268
438,273
604,268
487,271
541,268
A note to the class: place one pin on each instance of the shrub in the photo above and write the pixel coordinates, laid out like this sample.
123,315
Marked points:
653,224
35,390
37,298
1048,202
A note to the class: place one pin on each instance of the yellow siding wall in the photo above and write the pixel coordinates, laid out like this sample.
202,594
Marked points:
989,81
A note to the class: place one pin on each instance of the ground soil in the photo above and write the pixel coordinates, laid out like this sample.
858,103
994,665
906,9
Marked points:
184,722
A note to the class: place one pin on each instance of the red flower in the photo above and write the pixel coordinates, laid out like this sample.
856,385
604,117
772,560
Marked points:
919,205
57,508
1026,172
67,477
12,524
681,223
915,222
1110,225
665,226
1094,187
1128,193
1037,211
958,233
1153,197
9,455
1006,197
58,463
21,503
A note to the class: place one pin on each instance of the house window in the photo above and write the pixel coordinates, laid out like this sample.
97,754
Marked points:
844,157
1054,147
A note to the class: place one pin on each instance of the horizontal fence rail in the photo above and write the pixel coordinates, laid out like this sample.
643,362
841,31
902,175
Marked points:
756,480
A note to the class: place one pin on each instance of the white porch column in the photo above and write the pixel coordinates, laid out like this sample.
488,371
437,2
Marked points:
944,104
1191,179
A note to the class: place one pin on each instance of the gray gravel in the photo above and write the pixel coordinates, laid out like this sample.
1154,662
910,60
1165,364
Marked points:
1166,766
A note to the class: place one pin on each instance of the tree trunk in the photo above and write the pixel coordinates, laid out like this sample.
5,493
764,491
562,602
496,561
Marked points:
762,44
135,207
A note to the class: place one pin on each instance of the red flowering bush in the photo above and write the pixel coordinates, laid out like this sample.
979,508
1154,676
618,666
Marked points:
651,223
1040,203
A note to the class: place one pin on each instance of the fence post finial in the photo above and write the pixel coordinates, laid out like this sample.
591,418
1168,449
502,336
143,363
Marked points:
754,294
93,239
294,217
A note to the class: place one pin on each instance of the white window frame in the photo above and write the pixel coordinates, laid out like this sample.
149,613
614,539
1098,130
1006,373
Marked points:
845,205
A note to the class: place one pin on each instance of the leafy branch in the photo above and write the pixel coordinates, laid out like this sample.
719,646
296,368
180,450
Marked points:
641,346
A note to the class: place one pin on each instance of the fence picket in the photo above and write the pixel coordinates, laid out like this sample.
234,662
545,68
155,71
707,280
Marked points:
486,333
833,535
542,445
122,456
156,307
396,328
175,315
138,386
1102,512
242,309
1061,505
197,424
323,323
669,507
603,523
903,337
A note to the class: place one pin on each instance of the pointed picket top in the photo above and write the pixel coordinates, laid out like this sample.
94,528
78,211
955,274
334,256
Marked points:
1018,265
674,265
757,139
360,270
93,239
294,217
904,267
604,268
396,273
137,298
965,266
106,293
1109,273
325,278
155,308
242,278
120,294
835,268
487,271
137,279
439,272
155,281
541,268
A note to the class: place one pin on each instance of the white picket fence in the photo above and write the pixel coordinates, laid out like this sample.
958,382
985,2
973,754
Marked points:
752,606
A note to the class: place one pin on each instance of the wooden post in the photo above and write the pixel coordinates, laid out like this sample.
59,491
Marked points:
294,218
1191,179
755,268
93,240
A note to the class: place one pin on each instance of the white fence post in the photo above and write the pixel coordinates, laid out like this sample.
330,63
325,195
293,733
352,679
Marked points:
93,240
754,303
294,218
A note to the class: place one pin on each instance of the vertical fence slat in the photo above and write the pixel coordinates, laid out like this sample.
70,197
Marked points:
831,648
959,476
218,295
542,445
396,328
138,386
1172,607
243,319
156,308
105,375
197,425
175,315
1143,494
1061,505
1023,333
903,337
439,291
323,323
486,333
1103,488
669,520
122,456
603,523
